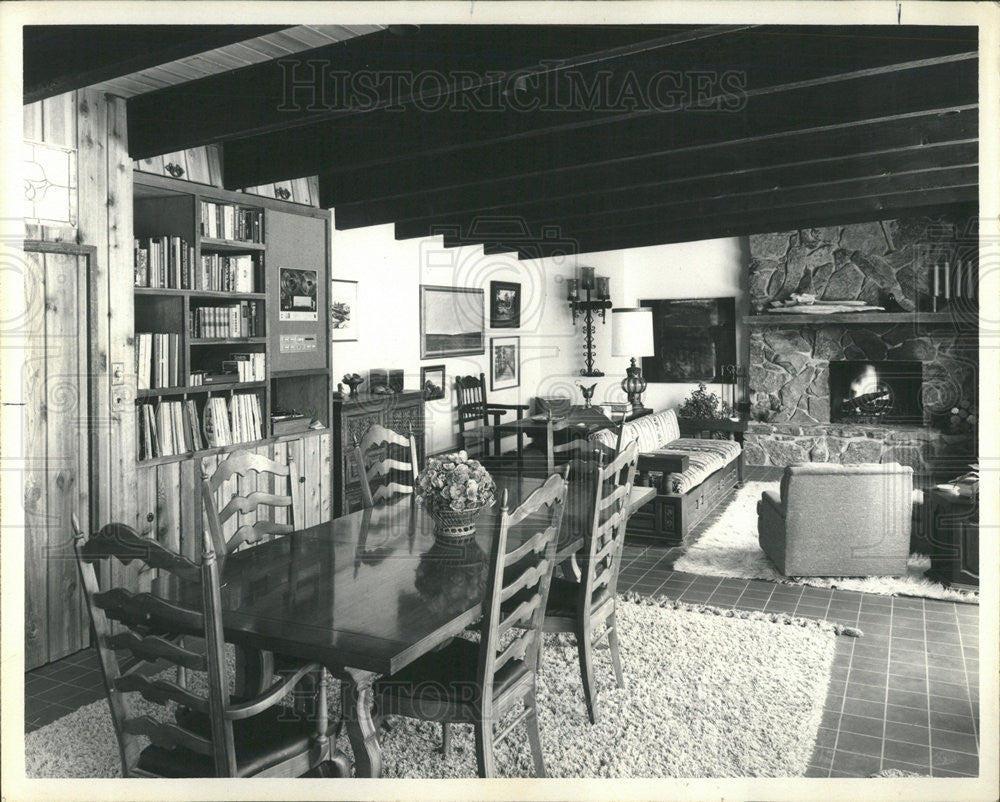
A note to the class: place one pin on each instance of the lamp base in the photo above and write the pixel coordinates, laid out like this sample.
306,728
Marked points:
634,385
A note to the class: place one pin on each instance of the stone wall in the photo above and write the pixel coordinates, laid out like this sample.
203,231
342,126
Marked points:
789,365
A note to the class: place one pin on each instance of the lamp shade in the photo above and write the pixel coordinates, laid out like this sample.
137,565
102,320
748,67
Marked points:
632,332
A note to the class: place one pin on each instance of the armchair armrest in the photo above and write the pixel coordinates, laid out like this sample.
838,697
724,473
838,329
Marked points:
664,462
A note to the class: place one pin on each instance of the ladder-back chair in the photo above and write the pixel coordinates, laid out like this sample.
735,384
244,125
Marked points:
258,524
387,464
477,683
192,733
475,413
588,607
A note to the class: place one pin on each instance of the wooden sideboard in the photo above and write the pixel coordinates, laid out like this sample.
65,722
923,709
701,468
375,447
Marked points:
352,417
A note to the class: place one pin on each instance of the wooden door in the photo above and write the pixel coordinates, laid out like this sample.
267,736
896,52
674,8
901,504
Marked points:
56,446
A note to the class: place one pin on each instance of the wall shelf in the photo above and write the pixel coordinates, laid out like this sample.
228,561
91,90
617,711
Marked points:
853,318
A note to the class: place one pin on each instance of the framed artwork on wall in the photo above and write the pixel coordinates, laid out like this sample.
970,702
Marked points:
432,381
505,305
505,363
693,339
452,321
343,311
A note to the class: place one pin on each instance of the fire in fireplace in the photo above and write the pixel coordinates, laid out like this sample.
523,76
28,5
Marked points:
868,391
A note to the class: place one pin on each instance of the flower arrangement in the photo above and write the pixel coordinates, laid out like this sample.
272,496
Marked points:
704,405
454,482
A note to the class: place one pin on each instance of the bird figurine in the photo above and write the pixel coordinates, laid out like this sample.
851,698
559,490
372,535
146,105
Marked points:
588,393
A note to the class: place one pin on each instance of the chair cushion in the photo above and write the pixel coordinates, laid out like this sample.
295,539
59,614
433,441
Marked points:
651,432
706,457
564,595
447,677
261,741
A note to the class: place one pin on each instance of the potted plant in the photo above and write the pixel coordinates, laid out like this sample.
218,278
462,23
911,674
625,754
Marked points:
703,405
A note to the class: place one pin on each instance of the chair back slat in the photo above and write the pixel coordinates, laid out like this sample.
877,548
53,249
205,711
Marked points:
124,544
386,463
137,609
609,490
242,463
229,532
472,399
247,504
535,559
167,735
161,691
153,647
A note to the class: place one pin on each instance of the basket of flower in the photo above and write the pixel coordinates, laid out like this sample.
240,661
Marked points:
454,490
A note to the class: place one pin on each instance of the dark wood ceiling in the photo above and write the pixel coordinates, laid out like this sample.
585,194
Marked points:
549,139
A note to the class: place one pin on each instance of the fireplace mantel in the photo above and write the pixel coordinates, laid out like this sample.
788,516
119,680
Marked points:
855,318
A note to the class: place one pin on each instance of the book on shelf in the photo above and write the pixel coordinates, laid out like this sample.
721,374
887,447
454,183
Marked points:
166,429
157,360
248,367
163,262
234,321
231,222
224,273
238,421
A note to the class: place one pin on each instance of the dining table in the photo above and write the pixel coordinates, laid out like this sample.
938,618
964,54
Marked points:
368,593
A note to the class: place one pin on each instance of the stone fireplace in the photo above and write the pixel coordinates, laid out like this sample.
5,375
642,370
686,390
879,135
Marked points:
789,374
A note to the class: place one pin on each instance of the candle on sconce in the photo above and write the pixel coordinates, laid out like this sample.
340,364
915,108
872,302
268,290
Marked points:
958,279
937,281
571,289
586,278
603,287
947,282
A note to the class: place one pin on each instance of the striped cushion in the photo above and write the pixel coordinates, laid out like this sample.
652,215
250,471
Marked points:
652,432
706,457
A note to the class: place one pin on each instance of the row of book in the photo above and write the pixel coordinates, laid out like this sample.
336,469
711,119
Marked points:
163,262
167,429
247,367
232,222
226,322
157,360
237,419
171,428
220,273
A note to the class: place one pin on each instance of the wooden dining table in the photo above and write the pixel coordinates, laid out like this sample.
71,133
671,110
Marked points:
368,593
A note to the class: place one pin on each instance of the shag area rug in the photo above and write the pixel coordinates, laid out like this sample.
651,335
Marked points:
729,547
708,693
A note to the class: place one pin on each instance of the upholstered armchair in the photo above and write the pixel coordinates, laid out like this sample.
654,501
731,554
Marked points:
838,520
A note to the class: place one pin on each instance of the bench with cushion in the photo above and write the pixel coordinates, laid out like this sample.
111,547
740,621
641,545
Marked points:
691,475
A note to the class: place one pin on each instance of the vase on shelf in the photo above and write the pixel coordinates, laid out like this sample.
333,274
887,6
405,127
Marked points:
452,526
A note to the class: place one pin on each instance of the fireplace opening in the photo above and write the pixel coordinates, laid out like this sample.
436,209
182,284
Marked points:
869,391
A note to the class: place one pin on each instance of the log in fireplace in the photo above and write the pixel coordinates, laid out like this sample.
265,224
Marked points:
870,391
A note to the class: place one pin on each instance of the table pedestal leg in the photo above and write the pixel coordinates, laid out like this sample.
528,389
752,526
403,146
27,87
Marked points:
360,725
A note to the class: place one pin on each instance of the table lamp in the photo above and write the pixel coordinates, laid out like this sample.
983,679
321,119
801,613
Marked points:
632,335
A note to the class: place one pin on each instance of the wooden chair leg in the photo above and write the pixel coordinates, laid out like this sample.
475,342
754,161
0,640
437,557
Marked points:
484,749
585,649
534,736
446,739
616,658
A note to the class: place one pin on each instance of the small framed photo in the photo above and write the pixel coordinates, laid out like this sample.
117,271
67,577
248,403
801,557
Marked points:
505,305
343,311
505,363
432,381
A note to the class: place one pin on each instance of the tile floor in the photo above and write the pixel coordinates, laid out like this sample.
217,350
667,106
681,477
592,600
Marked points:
903,696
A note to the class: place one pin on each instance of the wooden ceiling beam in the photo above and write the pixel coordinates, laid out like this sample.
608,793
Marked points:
925,162
381,73
807,215
855,99
509,196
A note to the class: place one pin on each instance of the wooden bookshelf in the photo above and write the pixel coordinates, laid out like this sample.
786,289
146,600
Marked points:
165,208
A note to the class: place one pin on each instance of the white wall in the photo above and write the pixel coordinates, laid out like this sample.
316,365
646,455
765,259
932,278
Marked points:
390,272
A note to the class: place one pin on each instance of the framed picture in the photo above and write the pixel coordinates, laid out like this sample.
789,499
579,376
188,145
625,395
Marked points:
343,311
432,381
505,305
693,339
505,362
297,294
452,321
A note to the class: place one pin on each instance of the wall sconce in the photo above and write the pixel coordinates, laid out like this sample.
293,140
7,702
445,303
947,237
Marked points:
587,295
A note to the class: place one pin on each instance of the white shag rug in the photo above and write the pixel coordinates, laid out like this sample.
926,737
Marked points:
729,547
708,693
